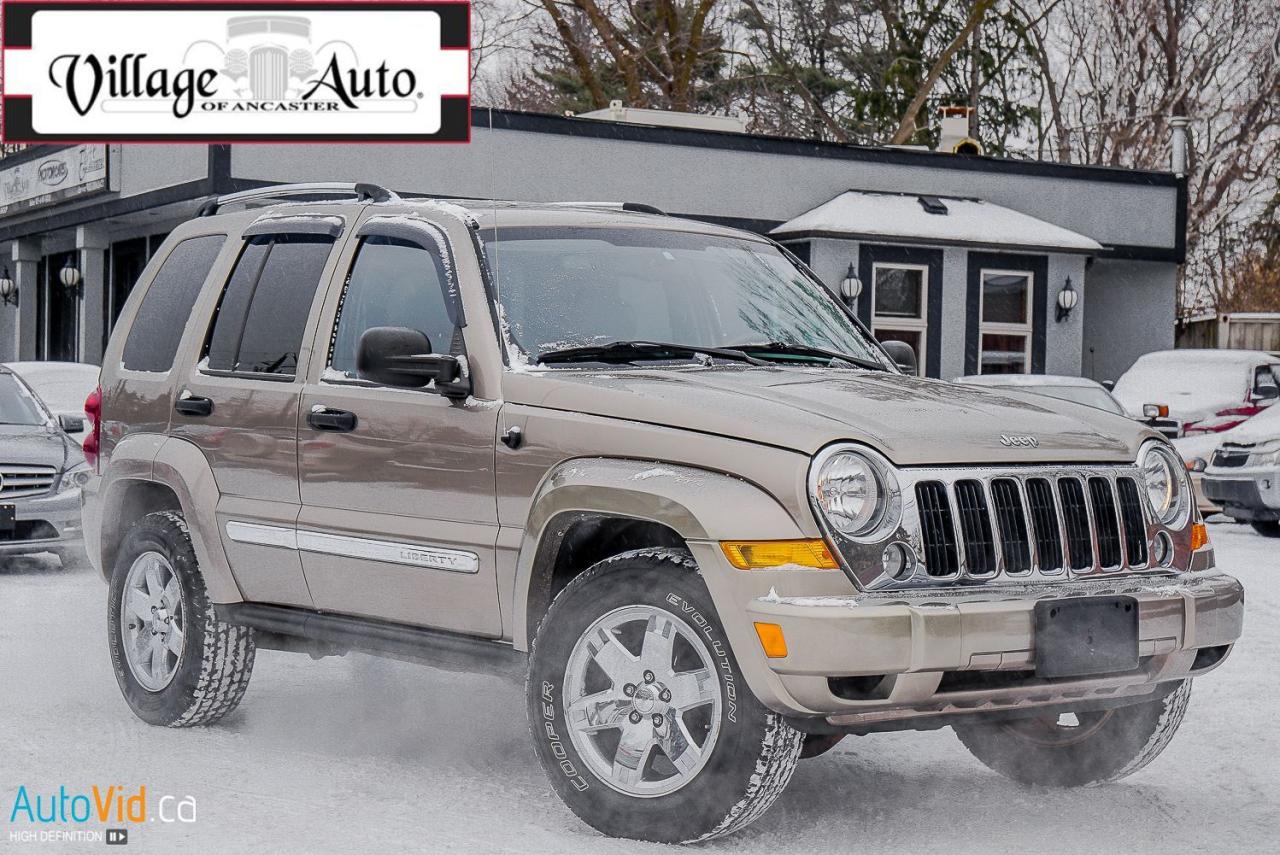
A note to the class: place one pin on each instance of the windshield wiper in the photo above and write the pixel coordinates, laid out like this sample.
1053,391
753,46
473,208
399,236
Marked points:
630,351
782,348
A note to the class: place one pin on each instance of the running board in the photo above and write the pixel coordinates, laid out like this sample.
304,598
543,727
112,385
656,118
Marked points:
288,628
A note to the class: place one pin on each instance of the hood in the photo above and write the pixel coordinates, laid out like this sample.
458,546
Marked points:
912,421
34,445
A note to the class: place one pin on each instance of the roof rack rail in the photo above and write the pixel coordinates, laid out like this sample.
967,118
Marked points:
633,207
363,192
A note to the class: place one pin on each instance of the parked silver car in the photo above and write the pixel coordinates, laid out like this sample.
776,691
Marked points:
41,472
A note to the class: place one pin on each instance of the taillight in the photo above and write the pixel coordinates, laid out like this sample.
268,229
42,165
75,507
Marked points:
93,439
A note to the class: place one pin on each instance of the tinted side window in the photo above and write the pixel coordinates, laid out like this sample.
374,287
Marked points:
260,320
157,330
392,284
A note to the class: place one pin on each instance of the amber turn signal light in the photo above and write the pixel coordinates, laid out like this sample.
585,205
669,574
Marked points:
772,640
1199,536
774,554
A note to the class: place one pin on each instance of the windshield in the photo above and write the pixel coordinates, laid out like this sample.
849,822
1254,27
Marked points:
17,405
576,287
1092,397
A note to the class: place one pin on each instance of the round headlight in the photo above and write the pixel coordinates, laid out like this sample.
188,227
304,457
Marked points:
1165,478
853,492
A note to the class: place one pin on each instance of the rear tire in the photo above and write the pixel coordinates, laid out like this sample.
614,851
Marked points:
176,663
1100,748
662,740
1266,528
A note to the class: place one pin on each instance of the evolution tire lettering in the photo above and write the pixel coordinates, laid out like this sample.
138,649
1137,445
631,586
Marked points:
717,650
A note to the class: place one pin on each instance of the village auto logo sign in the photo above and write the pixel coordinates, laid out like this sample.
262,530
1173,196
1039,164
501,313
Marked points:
226,71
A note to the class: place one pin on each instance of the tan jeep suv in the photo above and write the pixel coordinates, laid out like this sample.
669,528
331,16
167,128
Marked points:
651,463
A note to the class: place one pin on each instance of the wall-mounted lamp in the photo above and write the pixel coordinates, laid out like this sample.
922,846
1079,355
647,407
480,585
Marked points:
850,287
69,275
1067,299
8,289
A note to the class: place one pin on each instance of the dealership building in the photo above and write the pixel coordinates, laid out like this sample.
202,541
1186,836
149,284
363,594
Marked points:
980,263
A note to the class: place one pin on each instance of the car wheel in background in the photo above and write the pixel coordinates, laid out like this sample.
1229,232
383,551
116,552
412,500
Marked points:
176,663
638,711
1266,528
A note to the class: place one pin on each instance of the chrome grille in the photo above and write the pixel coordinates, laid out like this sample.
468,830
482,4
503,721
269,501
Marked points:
17,479
975,527
1044,519
1075,518
1106,525
1015,546
1036,522
941,557
1131,513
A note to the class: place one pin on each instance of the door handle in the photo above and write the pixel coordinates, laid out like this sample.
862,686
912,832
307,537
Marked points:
323,418
193,405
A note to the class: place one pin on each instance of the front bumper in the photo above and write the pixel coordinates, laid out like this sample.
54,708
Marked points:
45,523
868,659
1245,494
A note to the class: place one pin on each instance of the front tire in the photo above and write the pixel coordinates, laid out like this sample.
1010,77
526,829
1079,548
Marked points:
638,711
1097,748
176,663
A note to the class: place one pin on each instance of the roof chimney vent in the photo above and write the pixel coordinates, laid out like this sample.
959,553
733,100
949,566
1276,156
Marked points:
1178,145
954,137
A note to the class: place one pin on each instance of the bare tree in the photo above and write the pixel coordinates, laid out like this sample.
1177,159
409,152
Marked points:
1118,70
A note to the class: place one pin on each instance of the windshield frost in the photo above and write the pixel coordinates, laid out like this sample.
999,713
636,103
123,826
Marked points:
575,287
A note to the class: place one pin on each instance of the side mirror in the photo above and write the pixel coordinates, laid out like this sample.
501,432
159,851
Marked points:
902,355
1109,385
1266,393
71,424
402,357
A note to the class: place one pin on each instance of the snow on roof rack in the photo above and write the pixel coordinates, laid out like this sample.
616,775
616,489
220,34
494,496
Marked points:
363,192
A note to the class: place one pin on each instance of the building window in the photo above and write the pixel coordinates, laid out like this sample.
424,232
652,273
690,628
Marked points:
1005,322
899,306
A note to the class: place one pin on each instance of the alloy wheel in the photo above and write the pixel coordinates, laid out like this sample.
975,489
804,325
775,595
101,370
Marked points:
642,701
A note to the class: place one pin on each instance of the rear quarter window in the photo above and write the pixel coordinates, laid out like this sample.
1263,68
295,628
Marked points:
157,328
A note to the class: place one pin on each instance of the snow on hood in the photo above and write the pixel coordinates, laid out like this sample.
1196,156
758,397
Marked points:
913,421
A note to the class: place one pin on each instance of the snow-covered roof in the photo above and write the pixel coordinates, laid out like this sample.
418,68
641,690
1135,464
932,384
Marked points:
903,217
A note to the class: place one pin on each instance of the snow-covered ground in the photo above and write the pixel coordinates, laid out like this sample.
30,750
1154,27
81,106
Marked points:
364,755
